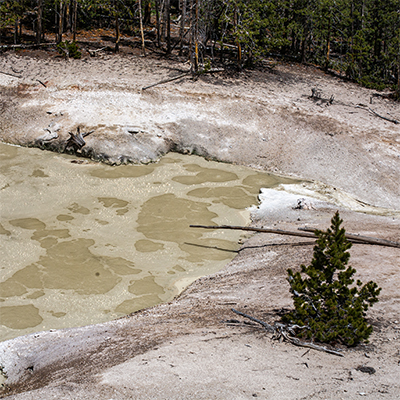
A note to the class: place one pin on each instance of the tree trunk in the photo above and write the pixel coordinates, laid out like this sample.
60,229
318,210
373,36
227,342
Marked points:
158,23
16,30
182,28
117,33
60,22
67,19
168,24
74,18
39,22
239,48
196,37
141,27
147,13
328,45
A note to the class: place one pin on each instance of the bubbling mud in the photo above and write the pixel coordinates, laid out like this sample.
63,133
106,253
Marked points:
84,243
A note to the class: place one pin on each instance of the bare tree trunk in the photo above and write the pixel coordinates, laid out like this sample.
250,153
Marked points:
60,22
328,46
74,18
168,24
239,47
182,28
141,27
117,33
39,22
158,23
194,35
67,19
147,12
16,30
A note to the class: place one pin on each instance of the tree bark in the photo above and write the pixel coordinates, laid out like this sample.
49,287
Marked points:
195,35
141,27
39,22
158,23
117,33
168,24
147,13
182,28
74,19
16,30
60,22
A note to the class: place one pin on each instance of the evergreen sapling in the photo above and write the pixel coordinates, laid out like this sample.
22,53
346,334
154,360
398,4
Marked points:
326,301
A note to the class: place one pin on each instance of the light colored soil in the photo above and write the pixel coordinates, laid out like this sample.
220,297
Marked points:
263,119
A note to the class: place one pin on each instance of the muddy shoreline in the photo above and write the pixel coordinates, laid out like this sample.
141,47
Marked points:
263,119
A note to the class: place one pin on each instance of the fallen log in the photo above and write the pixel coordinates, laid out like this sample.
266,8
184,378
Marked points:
363,239
350,237
254,229
26,46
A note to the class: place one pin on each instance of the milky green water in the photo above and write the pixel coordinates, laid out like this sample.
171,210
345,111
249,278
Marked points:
83,242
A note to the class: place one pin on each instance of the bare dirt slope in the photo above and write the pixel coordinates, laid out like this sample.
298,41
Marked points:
264,119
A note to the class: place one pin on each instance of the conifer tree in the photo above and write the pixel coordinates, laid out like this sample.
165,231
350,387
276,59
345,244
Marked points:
326,300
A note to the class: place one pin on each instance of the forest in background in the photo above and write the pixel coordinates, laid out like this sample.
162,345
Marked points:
359,39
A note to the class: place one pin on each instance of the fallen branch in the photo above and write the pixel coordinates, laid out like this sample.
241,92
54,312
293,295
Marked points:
300,343
282,331
351,237
355,238
43,84
380,116
25,46
167,80
268,327
364,107
14,76
92,53
211,71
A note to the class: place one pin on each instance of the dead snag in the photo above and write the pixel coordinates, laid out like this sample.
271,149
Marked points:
76,141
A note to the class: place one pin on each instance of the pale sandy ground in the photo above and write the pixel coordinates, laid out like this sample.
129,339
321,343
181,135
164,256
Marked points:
263,119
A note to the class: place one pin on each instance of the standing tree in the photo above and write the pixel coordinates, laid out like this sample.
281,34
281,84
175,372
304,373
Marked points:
326,301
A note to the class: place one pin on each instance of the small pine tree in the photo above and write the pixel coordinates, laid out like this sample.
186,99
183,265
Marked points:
325,301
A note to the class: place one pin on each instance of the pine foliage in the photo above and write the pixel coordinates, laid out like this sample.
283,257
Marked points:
326,299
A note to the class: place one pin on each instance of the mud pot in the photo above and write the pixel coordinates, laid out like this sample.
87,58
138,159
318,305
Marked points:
85,242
